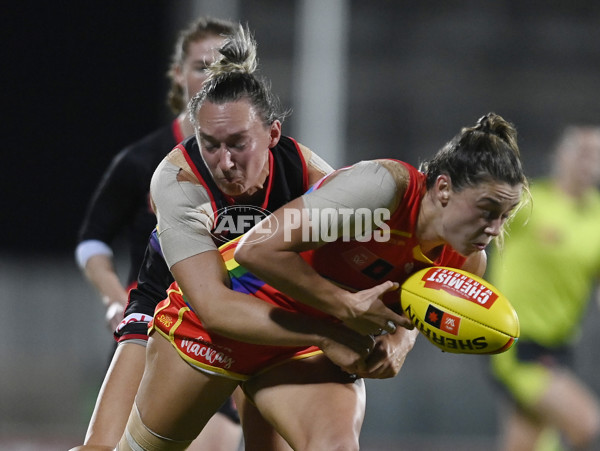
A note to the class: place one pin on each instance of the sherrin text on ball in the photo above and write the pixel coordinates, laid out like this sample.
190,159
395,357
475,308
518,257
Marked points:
459,312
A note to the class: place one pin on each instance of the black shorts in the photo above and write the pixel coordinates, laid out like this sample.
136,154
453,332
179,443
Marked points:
153,282
521,372
230,411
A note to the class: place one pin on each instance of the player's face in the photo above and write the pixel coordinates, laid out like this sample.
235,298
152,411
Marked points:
475,215
580,162
235,143
201,54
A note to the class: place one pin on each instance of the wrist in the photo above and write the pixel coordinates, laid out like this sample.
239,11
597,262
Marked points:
108,302
328,333
341,308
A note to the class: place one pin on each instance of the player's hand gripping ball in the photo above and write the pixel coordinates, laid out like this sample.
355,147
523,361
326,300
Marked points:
459,312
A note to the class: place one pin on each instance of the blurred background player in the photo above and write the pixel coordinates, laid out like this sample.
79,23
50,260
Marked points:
121,205
548,269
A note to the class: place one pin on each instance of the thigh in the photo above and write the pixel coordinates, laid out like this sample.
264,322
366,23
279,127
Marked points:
520,431
571,407
116,395
259,434
311,402
220,434
174,399
523,381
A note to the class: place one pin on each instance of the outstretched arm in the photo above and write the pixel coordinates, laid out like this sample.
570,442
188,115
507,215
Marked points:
203,279
277,260
100,272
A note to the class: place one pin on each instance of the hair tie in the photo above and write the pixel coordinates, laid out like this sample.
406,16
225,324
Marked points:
484,124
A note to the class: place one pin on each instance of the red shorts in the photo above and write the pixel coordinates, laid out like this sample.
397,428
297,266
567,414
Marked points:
213,353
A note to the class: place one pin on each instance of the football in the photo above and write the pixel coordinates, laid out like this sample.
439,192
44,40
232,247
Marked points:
459,312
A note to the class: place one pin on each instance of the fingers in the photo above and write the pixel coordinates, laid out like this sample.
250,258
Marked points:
367,346
385,287
361,344
396,321
393,319
389,327
404,322
376,368
114,315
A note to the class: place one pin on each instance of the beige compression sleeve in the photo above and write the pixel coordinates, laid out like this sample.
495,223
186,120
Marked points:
184,214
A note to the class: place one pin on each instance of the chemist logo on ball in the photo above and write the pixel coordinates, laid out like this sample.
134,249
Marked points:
235,220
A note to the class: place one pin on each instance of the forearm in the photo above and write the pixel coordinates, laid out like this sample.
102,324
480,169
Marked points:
259,322
363,311
100,271
289,273
249,319
279,263
241,316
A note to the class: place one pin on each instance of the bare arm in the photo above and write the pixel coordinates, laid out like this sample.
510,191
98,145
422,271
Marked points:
277,260
203,279
100,271
111,207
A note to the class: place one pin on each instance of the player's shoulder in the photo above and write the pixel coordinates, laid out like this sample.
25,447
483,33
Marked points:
174,179
394,174
399,170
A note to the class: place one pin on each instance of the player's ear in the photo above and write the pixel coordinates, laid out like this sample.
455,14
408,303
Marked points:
443,188
275,131
178,76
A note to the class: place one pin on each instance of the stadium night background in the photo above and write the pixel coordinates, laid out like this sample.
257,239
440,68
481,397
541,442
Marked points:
363,80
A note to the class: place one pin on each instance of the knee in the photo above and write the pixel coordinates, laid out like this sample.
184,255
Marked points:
138,436
590,434
588,431
346,445
333,442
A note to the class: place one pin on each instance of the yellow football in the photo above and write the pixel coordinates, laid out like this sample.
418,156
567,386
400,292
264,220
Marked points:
459,312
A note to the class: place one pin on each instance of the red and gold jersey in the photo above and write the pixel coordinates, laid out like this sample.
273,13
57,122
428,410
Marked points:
361,265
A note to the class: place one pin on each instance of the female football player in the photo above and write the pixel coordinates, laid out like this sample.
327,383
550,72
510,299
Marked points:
300,346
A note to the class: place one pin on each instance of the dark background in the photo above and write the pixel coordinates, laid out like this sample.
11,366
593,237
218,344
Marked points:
83,79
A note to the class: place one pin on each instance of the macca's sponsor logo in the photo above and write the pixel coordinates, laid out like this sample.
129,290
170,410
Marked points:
460,285
207,353
476,344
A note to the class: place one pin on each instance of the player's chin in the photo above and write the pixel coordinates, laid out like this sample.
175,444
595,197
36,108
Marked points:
470,248
233,188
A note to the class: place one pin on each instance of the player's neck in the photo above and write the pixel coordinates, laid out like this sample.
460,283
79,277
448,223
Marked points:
426,230
185,125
